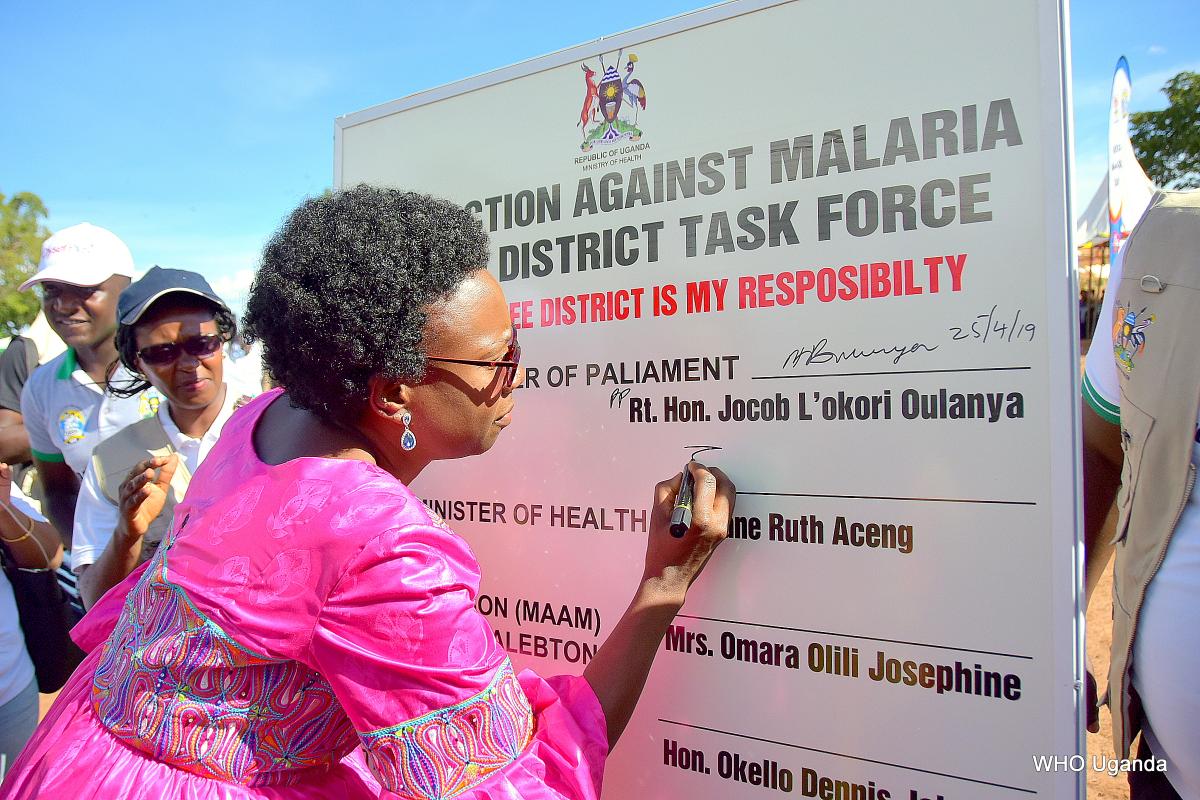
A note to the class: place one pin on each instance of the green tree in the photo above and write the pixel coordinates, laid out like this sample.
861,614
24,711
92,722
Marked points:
1167,142
21,237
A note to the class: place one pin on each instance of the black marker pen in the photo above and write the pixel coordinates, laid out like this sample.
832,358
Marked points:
681,515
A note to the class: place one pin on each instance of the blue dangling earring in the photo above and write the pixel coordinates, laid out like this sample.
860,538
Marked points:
408,441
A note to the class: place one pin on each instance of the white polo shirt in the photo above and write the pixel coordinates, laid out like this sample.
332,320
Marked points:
96,518
67,414
1166,647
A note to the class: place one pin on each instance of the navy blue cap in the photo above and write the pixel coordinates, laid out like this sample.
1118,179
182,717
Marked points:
156,283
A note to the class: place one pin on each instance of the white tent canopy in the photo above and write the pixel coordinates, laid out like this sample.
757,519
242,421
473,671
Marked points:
1092,226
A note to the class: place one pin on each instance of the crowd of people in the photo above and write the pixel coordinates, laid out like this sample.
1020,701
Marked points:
271,612
267,610
85,424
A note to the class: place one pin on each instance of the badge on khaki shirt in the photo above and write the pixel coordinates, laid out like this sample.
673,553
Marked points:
1129,335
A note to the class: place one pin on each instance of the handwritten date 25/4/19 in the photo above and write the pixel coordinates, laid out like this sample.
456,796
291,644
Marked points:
995,326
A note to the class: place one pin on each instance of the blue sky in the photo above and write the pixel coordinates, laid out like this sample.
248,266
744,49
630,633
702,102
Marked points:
191,129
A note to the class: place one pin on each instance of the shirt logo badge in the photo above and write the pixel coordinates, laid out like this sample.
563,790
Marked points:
1129,335
148,403
71,423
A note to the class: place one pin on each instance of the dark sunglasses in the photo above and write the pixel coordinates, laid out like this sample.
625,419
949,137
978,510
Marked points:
507,365
201,346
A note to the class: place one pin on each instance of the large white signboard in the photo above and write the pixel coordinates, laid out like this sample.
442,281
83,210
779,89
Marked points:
830,238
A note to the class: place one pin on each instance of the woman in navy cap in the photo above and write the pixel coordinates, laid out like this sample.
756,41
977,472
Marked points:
171,334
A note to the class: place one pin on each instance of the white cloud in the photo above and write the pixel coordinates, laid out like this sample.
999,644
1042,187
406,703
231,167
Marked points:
1156,49
227,262
235,283
1147,89
233,287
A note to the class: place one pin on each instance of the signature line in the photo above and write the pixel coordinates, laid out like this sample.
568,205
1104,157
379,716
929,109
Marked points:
888,372
885,497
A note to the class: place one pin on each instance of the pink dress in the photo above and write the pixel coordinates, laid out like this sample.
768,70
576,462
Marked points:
307,630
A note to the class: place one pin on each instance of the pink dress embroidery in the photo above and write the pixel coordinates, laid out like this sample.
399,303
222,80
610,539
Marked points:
178,688
307,630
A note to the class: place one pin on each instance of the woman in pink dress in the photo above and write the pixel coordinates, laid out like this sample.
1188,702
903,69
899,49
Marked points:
307,629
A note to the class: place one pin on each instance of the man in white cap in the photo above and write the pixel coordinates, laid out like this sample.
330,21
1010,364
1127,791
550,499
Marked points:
64,404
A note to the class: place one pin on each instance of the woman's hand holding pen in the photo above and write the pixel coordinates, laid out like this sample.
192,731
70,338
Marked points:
675,563
617,673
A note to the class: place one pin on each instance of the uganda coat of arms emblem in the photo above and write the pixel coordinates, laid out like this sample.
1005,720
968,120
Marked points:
1129,335
604,102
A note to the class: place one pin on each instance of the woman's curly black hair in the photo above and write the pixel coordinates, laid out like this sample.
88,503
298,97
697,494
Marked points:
343,287
127,347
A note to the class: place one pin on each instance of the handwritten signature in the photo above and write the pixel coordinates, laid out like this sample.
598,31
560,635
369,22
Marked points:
820,353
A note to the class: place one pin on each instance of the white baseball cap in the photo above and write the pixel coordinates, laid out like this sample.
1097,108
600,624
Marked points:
82,255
